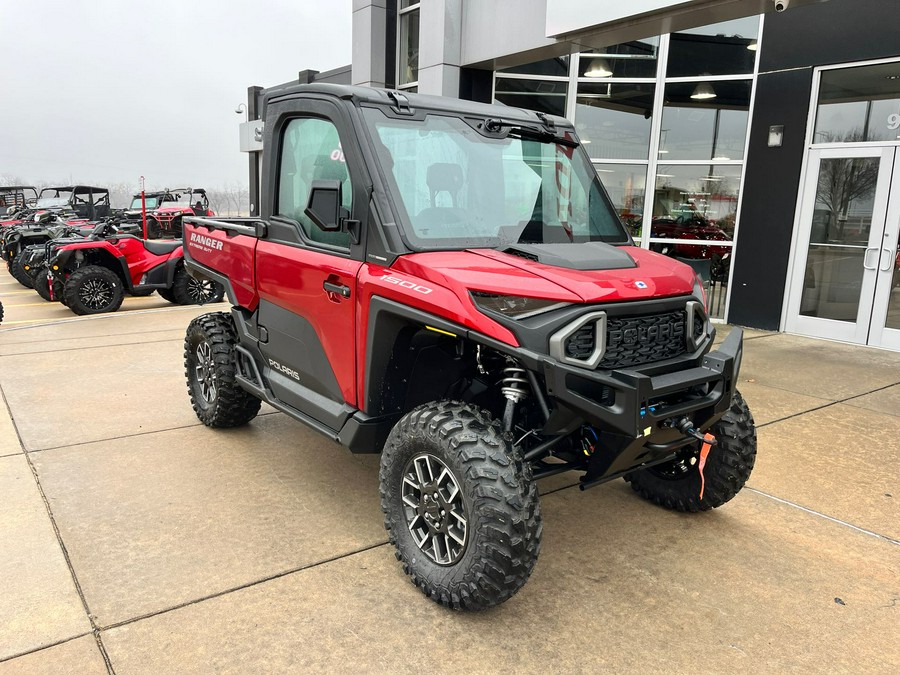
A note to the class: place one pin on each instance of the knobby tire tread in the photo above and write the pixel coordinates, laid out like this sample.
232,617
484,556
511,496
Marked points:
233,406
504,507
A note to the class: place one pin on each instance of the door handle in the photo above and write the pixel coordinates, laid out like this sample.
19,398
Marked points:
866,258
340,289
888,259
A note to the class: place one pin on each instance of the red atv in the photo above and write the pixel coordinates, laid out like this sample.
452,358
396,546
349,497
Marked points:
447,283
165,221
91,276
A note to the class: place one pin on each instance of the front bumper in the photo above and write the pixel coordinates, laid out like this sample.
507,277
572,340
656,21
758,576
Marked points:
637,404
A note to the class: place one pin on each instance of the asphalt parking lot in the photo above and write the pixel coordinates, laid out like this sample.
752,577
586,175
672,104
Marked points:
135,540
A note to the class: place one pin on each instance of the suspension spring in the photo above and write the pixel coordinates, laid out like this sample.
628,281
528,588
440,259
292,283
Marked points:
514,385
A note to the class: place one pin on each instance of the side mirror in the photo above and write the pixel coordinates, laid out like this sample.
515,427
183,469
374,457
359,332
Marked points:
324,205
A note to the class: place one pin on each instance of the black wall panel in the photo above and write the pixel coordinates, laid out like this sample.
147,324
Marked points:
772,177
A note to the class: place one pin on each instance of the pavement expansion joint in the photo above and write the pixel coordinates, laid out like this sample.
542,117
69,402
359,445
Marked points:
249,584
134,435
819,514
79,349
825,405
44,648
102,317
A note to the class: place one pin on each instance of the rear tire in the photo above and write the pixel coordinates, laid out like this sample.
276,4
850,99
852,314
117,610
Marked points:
460,504
190,291
210,364
93,290
166,294
676,485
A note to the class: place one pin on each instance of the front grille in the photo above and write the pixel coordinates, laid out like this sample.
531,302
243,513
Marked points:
634,341
580,345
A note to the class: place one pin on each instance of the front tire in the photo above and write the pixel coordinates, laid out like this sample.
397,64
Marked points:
18,271
93,290
190,291
676,484
461,507
210,364
42,285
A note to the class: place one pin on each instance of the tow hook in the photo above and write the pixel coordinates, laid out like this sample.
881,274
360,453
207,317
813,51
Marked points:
686,427
707,441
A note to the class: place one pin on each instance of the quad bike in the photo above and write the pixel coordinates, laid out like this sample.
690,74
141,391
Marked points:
91,276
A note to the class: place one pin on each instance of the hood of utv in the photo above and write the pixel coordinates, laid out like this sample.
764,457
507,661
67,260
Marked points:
576,273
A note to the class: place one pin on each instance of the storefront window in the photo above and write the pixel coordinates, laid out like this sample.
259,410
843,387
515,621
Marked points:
613,120
705,120
543,96
626,185
720,49
859,104
695,201
629,60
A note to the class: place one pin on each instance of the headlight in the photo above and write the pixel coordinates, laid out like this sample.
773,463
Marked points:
513,306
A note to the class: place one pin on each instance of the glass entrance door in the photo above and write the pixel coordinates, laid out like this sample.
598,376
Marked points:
845,281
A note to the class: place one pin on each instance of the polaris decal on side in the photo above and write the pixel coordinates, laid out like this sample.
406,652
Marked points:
285,370
408,284
204,243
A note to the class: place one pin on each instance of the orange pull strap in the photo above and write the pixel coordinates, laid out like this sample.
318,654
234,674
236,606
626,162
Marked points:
709,441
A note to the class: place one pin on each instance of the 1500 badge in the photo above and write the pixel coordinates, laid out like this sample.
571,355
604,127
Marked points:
408,284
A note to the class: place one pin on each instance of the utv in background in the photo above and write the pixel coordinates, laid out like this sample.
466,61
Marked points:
14,198
165,221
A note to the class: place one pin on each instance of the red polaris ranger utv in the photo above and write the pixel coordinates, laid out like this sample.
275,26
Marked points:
447,283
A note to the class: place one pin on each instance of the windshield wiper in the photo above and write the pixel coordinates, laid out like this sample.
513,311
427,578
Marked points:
547,134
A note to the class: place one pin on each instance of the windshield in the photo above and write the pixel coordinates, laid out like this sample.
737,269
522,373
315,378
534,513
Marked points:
51,202
460,189
150,201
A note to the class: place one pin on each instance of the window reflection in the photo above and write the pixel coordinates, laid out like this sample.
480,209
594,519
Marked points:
696,203
696,125
719,49
631,59
626,186
613,120
409,47
859,104
546,97
558,67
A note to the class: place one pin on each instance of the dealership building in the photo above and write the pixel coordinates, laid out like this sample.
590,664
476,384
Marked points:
757,141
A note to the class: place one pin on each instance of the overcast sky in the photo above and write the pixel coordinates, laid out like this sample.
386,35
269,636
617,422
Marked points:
104,91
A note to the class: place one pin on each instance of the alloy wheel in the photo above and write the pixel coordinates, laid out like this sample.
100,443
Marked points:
96,293
204,373
434,509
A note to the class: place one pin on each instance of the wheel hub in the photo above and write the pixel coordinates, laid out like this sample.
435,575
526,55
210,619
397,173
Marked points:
434,509
96,293
204,373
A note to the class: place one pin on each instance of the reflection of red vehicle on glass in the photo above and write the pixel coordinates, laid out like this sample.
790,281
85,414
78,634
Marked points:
693,226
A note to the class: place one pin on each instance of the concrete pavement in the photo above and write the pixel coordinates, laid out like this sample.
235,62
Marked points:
135,540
